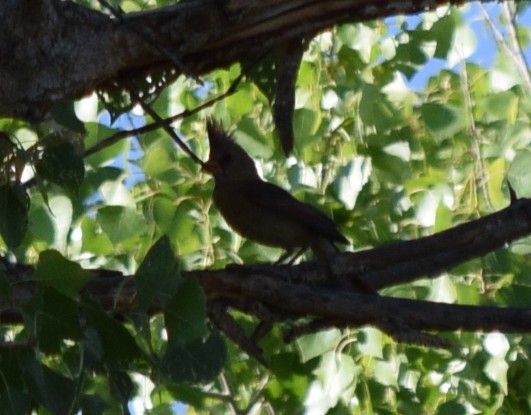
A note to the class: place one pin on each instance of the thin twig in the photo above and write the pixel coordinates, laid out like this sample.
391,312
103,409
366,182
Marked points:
254,402
479,167
514,41
167,127
151,127
514,50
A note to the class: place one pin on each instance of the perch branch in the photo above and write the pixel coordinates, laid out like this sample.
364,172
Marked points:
309,291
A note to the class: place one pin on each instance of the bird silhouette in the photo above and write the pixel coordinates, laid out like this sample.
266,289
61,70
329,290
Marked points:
261,211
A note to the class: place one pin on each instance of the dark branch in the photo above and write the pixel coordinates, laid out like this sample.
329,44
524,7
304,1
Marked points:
430,256
82,49
282,293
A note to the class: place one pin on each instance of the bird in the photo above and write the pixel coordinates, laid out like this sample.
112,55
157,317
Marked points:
261,211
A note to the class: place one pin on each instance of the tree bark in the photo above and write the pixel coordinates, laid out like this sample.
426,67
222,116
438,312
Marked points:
329,294
53,50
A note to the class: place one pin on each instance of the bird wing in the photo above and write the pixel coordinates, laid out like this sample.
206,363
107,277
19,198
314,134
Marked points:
280,202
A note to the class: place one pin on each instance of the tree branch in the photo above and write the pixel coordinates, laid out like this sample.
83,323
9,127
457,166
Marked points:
406,261
82,49
313,290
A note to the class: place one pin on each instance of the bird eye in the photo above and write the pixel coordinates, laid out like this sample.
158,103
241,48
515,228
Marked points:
226,158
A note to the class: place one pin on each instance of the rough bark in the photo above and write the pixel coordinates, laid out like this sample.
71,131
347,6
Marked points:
278,293
53,50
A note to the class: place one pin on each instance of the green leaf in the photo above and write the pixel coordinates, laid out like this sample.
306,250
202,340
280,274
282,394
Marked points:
351,178
503,105
163,212
415,52
63,165
313,345
452,408
291,380
48,388
55,271
95,179
12,360
359,37
98,133
115,193
184,229
61,210
370,342
519,174
64,114
464,43
15,401
240,104
55,318
158,277
159,162
121,223
351,62
504,74
197,362
253,139
336,373
13,214
93,405
117,344
192,395
305,125
515,296
497,170
94,240
375,109
122,386
185,315
443,31
42,224
442,121
443,218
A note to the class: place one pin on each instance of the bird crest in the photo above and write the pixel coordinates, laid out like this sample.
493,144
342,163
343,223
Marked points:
218,137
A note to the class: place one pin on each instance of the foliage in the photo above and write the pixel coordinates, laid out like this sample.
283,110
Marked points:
387,157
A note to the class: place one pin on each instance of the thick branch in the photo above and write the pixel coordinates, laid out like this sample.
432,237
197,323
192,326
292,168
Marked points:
293,301
430,256
310,289
296,301
78,50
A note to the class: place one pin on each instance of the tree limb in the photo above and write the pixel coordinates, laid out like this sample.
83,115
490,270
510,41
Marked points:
79,50
310,289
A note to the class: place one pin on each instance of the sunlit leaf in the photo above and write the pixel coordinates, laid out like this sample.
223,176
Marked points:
519,174
313,345
55,271
443,121
463,45
120,223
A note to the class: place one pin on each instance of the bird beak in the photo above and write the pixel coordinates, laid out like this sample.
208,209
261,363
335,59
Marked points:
212,167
